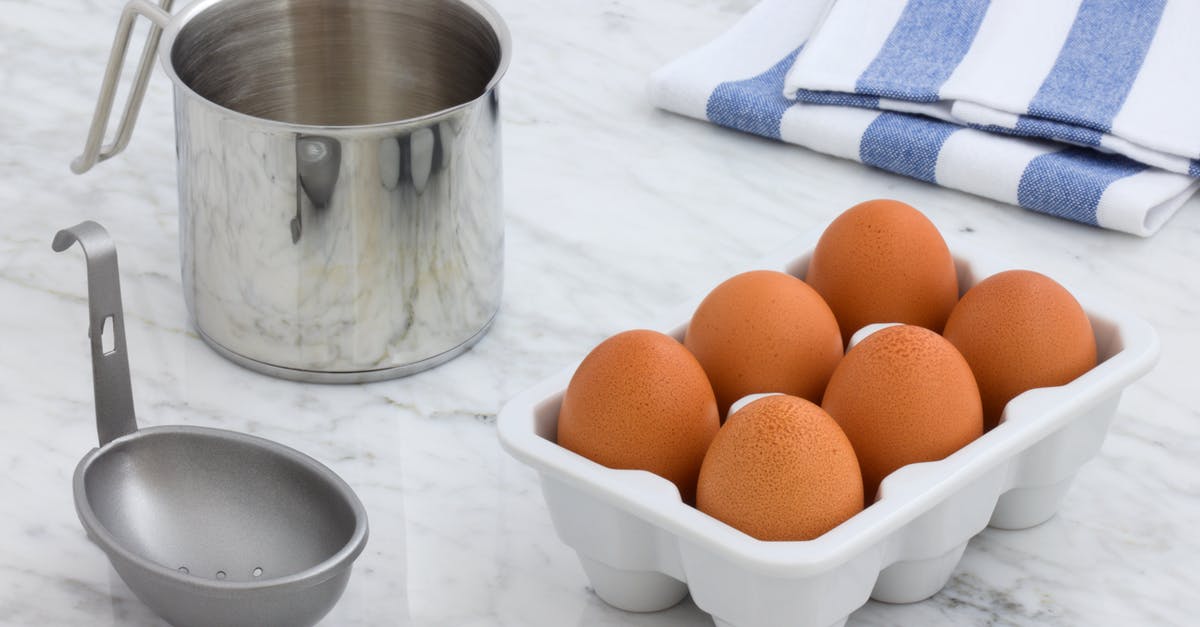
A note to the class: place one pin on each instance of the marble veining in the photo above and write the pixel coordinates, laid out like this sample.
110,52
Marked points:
614,213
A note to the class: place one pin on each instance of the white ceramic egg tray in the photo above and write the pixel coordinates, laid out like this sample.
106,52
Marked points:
644,550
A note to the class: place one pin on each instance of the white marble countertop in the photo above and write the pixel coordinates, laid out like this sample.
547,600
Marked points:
615,212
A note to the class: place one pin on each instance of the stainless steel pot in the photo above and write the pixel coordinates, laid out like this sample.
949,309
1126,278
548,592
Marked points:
340,213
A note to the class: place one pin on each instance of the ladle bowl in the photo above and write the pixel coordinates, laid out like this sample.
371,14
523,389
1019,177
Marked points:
207,527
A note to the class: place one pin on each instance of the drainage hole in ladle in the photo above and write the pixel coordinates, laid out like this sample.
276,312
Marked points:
257,572
220,574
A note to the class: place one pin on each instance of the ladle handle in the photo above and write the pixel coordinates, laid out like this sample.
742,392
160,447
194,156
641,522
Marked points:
110,369
93,151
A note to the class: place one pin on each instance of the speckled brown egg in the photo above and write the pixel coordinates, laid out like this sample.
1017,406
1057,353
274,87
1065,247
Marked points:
903,395
764,331
884,261
641,401
1020,330
780,469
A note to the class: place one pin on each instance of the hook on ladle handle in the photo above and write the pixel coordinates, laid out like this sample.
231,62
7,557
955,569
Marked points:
110,369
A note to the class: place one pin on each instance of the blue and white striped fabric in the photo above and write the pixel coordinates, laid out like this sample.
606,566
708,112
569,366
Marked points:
1117,75
738,80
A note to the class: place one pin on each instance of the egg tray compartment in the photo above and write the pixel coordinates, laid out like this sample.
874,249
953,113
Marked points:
644,550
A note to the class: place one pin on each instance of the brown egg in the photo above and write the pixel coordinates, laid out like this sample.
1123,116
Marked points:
903,395
764,331
641,401
780,469
883,261
1020,330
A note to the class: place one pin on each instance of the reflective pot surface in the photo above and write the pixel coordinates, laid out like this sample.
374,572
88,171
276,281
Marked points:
335,244
339,179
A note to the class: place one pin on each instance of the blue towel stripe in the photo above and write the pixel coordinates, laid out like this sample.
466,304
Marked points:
1046,129
1098,62
755,105
1194,168
1057,131
837,99
925,46
905,144
1069,183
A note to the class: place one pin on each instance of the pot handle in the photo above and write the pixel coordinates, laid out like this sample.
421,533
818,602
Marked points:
93,151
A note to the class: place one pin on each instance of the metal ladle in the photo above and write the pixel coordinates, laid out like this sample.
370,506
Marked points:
207,527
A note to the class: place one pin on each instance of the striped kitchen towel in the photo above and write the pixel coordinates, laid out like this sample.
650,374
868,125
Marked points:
1117,75
738,80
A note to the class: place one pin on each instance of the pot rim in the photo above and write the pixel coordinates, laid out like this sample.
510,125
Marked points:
179,21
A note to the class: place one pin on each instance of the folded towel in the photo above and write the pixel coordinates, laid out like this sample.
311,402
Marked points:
737,81
1116,75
